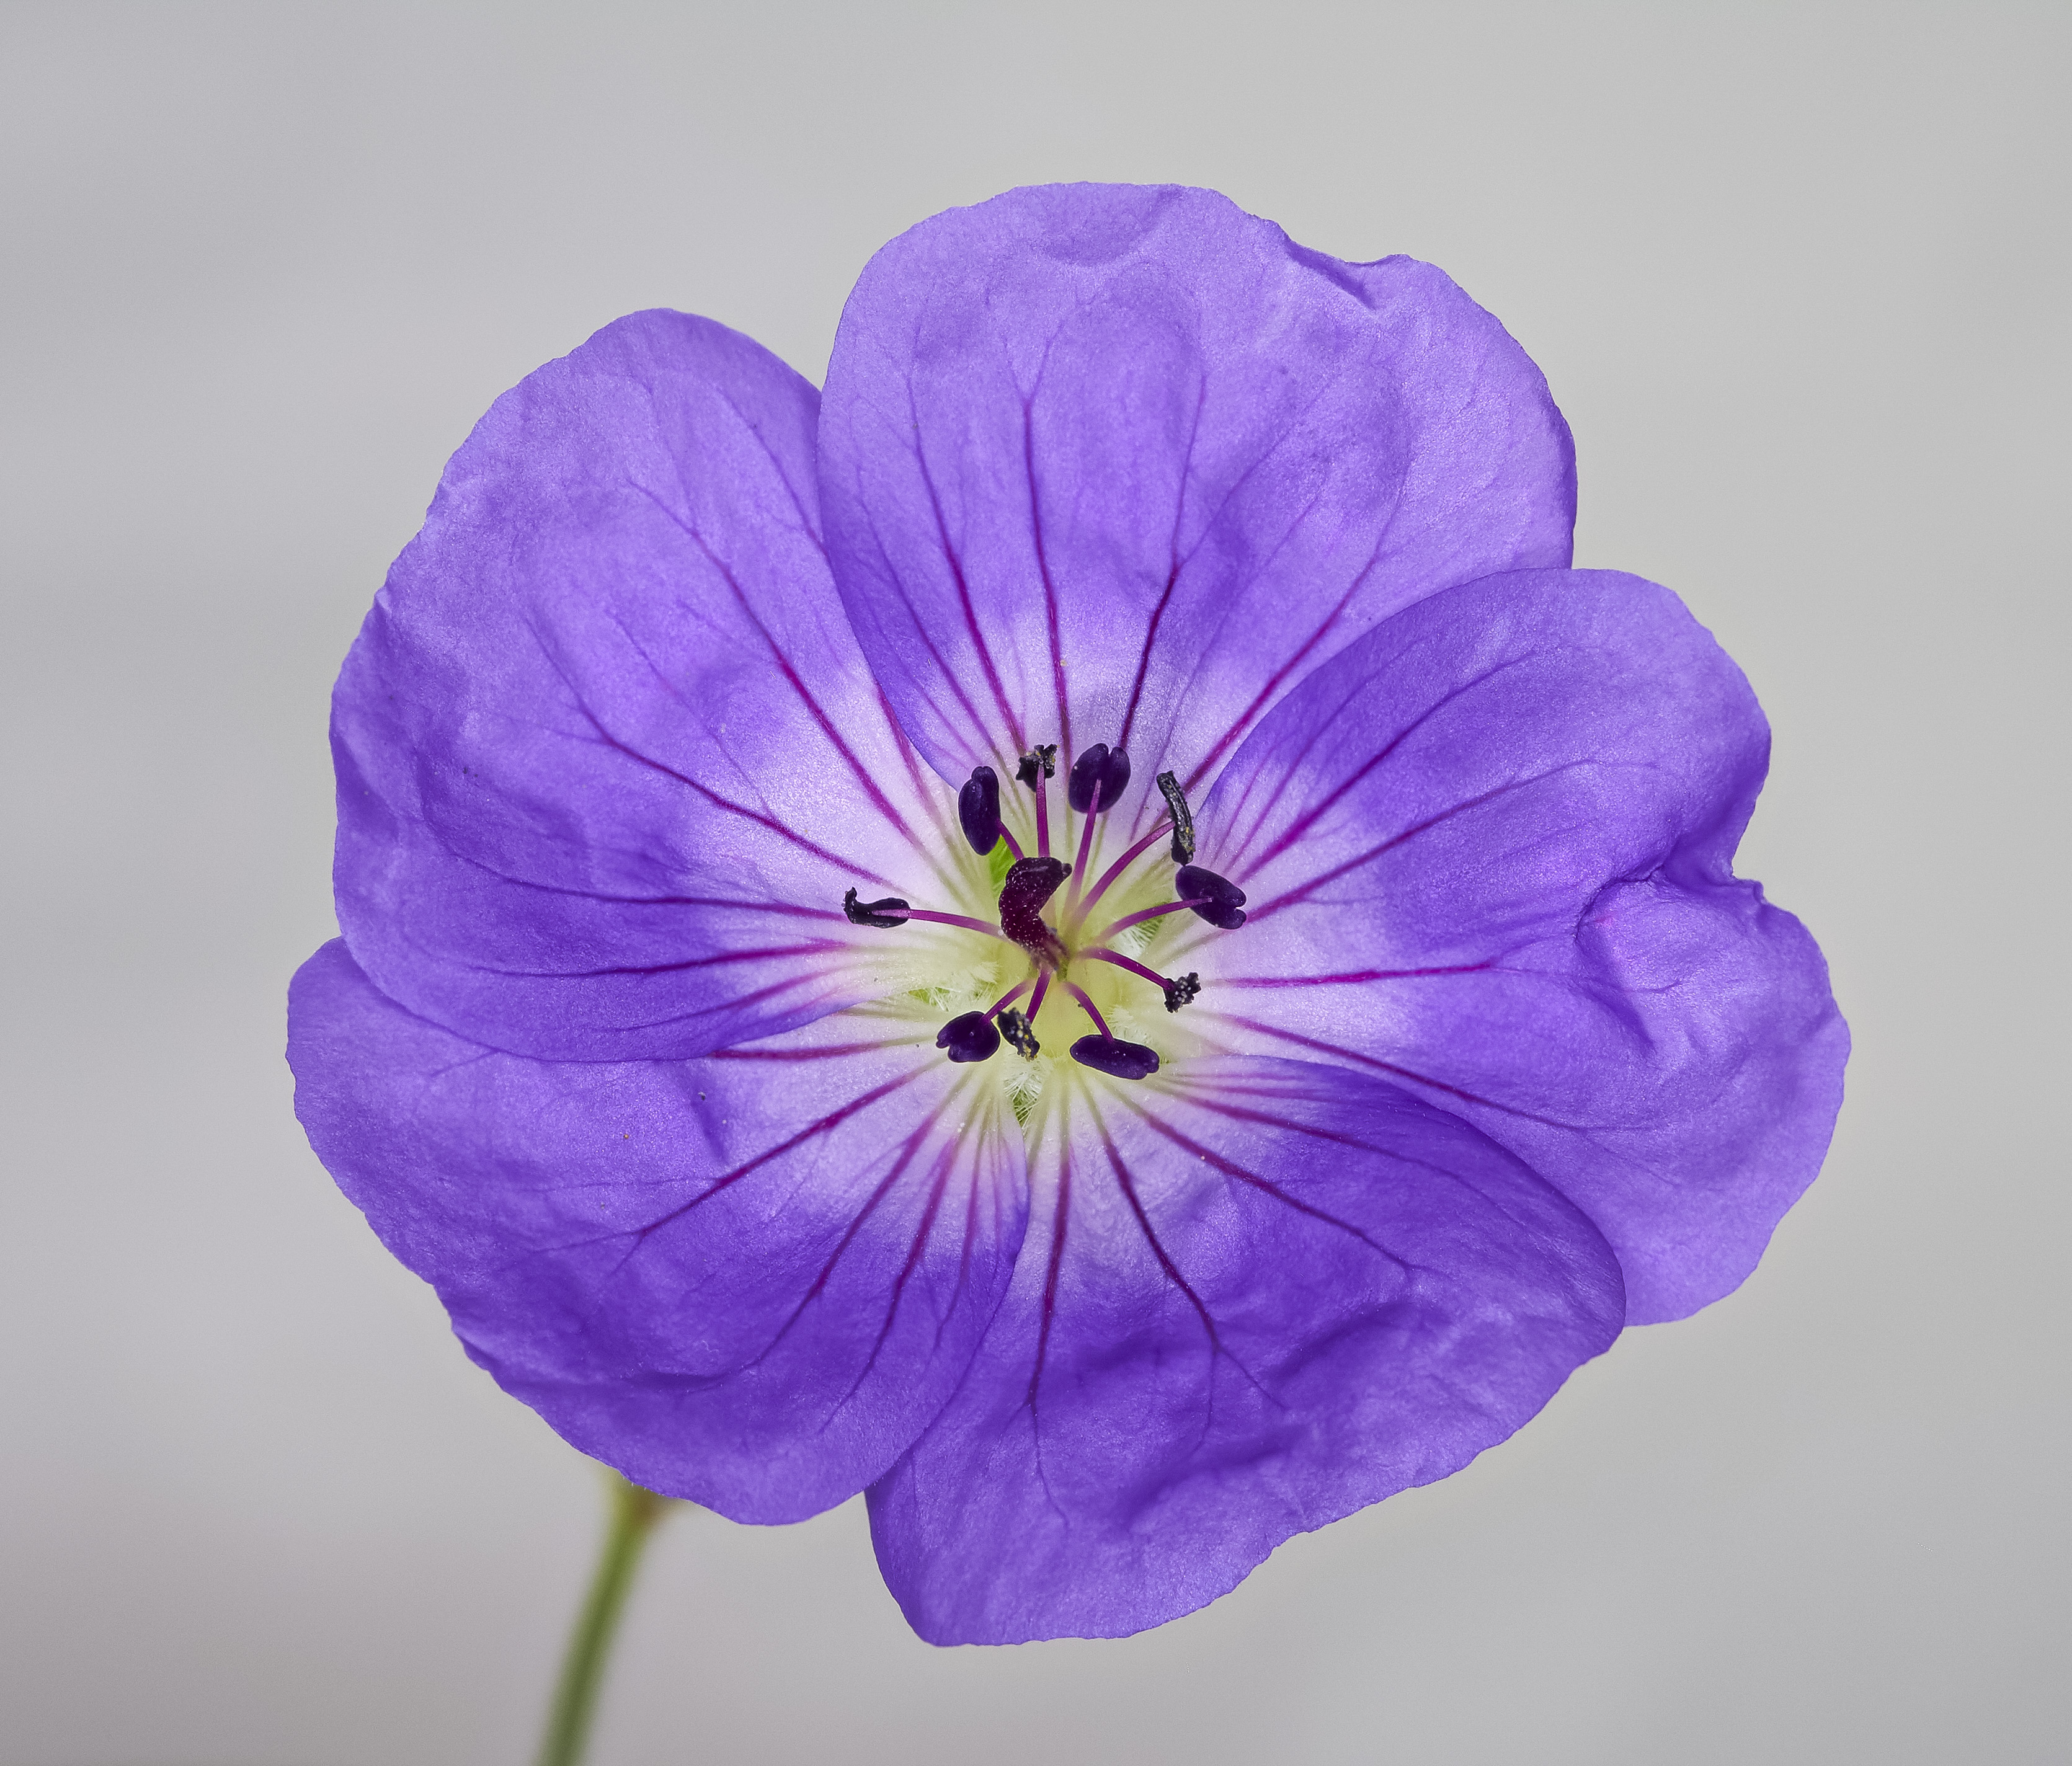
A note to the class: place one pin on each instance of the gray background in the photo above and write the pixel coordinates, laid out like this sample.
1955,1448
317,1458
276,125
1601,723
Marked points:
1798,277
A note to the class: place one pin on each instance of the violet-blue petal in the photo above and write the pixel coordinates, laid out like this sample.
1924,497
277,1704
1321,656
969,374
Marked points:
608,755
1133,449
1489,852
751,1279
1255,1294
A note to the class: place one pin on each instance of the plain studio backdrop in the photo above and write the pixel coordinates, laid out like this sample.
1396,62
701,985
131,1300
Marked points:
1798,277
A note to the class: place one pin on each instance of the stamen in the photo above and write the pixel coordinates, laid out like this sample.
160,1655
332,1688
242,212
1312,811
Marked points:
1120,866
1039,764
1158,912
1009,998
1015,1028
978,810
1099,776
1183,818
1096,798
1183,991
1117,1060
891,911
1087,1006
1041,761
1030,883
970,1036
1224,903
968,924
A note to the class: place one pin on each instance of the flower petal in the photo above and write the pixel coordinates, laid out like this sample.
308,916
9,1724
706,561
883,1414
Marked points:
608,755
1116,463
1489,852
1255,1297
751,1279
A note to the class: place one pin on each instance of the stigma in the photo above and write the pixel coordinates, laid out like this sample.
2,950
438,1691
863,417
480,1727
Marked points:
1029,883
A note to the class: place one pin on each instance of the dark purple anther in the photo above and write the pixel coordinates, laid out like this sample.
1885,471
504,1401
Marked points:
1017,1029
978,809
971,1038
1040,763
1118,1059
1086,774
1182,991
1102,766
1220,902
1182,818
1031,883
891,911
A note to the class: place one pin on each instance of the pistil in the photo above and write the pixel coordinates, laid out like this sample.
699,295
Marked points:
1031,883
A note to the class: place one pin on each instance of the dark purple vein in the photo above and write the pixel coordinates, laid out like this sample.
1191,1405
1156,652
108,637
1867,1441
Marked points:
1307,820
1043,566
1265,1186
1343,1053
805,695
611,741
1303,892
964,587
1049,1308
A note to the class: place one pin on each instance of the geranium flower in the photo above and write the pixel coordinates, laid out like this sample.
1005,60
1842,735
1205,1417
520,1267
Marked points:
1090,932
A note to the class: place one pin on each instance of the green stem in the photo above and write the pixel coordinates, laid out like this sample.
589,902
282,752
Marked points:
634,1513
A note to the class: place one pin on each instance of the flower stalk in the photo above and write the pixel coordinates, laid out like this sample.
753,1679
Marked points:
633,1513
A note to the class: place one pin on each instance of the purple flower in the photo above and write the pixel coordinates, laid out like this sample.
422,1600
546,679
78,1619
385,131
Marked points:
1091,932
